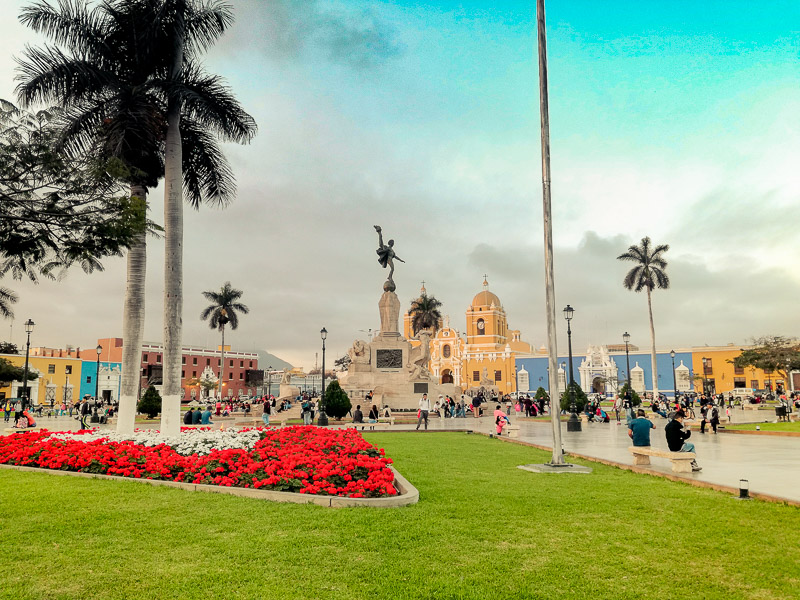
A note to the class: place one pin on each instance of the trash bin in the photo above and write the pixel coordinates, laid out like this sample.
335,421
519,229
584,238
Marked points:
780,411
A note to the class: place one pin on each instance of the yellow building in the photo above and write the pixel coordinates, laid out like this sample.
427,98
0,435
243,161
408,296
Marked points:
719,376
59,379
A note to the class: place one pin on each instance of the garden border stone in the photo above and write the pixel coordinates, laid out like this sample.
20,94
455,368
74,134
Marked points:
408,494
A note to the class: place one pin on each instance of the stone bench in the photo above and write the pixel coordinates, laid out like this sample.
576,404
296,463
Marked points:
681,461
21,430
512,430
751,406
371,426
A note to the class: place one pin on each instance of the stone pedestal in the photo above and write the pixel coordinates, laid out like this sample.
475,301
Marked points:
389,309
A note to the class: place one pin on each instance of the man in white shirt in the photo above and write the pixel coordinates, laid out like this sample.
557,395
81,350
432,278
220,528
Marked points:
424,409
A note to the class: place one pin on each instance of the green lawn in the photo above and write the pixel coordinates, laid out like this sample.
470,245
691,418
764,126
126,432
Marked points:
782,426
483,529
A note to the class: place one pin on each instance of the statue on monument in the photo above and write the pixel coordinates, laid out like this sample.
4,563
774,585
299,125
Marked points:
418,357
386,256
359,353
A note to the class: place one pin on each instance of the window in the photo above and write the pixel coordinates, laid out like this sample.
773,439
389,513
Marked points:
754,384
738,370
241,376
194,373
208,361
446,351
51,369
251,366
231,364
708,369
183,374
144,372
739,382
183,360
481,326
158,358
68,370
194,361
476,376
219,362
230,376
498,376
88,379
144,357
241,364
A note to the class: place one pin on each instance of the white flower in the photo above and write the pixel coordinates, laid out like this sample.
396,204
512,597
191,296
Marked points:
194,441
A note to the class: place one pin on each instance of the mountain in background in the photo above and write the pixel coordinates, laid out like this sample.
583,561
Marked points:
265,360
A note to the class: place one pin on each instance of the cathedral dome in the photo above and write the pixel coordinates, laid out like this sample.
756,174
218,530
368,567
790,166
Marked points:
485,298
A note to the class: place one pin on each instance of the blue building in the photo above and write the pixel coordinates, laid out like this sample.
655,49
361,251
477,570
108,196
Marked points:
599,371
110,380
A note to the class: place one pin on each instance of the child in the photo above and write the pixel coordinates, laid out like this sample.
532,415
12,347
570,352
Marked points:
500,419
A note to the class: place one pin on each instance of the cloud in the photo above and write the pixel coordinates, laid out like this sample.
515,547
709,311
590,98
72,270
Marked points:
289,29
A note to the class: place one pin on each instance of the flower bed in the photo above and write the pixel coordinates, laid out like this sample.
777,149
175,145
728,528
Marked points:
305,459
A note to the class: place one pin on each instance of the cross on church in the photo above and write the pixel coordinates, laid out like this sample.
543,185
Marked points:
484,279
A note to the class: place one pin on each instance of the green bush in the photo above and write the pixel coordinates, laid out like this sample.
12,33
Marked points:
635,399
150,404
580,398
541,393
337,404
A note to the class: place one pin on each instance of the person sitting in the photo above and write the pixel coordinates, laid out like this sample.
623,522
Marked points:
639,429
206,417
358,416
500,419
187,418
373,414
676,437
197,416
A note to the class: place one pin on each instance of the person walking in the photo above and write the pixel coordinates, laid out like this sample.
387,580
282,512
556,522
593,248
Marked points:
703,420
305,411
713,413
85,411
639,429
424,409
677,436
267,410
476,406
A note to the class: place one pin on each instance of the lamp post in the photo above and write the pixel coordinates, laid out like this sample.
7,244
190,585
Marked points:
705,384
674,379
574,423
626,337
28,329
95,417
323,418
269,382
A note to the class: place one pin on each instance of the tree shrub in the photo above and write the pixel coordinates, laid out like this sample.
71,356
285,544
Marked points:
635,399
580,398
150,403
337,404
541,394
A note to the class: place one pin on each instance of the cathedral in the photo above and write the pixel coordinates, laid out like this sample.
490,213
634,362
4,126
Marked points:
485,355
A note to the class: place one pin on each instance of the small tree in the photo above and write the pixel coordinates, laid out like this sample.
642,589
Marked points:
580,397
337,404
9,373
635,399
541,394
150,404
772,353
8,347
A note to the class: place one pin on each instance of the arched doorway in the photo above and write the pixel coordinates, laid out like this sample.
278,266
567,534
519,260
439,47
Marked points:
598,385
447,376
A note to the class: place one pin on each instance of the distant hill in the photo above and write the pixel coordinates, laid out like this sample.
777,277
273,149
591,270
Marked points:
265,360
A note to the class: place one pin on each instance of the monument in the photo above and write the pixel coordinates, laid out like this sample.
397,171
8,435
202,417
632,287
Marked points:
389,366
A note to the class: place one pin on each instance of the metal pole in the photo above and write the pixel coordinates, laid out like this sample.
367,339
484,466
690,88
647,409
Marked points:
574,423
25,399
323,417
550,293
674,379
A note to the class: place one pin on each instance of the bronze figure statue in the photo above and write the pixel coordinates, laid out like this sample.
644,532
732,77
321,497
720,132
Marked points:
386,256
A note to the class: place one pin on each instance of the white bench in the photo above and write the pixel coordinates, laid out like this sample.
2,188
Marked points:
21,430
513,430
681,461
751,406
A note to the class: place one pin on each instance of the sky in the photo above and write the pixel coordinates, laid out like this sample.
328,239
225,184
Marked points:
674,119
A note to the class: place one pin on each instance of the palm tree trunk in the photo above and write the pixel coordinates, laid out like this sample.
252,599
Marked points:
173,275
173,247
222,363
133,323
652,345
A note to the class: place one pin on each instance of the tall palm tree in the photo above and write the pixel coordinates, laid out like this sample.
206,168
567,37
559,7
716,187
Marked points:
7,298
425,313
223,311
113,69
648,274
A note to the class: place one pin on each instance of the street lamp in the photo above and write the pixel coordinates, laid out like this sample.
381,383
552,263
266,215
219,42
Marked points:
95,417
705,383
574,423
269,382
28,329
626,337
674,379
323,418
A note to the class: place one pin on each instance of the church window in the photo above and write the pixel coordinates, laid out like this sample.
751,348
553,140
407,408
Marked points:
476,376
446,351
481,326
498,376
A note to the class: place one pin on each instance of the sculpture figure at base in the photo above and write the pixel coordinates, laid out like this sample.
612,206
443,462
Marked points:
418,357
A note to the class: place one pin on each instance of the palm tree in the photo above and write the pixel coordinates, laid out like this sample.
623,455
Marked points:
222,311
7,298
425,313
116,79
648,274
